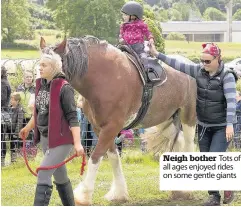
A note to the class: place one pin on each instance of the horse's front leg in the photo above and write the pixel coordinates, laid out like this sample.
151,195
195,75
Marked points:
118,191
84,191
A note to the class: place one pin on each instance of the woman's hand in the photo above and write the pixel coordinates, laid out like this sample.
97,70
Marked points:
229,133
23,134
79,150
77,141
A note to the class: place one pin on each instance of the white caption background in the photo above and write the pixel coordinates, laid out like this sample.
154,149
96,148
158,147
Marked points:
186,171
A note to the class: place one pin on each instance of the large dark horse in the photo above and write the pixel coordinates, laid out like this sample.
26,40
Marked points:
112,89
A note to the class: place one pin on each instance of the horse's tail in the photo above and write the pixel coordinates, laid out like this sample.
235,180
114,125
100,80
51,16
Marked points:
165,137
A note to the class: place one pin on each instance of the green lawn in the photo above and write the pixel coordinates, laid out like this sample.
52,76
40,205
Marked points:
18,54
141,172
194,48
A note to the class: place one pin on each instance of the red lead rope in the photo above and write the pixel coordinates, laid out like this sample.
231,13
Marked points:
54,166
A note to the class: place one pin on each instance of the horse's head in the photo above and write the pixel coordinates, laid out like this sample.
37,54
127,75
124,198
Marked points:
73,54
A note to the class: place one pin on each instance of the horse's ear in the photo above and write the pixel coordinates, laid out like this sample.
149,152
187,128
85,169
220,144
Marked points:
42,43
60,49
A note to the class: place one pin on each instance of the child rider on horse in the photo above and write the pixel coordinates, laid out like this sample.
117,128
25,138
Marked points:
134,29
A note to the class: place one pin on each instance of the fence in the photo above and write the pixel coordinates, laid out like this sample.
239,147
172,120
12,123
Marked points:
11,144
25,64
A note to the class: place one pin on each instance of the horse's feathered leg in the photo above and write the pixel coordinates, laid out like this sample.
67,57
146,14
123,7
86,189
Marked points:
118,189
84,192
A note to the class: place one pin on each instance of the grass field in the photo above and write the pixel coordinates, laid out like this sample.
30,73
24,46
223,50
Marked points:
172,47
194,48
141,172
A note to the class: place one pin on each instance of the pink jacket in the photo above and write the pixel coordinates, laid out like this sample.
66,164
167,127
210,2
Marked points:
135,32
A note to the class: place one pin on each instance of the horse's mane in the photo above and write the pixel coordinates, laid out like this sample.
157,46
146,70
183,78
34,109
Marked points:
75,62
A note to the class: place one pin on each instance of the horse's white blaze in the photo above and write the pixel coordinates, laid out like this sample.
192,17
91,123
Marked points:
118,189
84,191
189,134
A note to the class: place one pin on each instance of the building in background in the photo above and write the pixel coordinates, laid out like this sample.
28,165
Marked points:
203,31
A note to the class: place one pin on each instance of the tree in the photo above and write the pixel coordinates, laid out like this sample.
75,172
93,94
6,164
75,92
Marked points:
237,15
15,20
152,2
183,8
213,14
100,18
41,17
165,4
174,15
204,4
162,15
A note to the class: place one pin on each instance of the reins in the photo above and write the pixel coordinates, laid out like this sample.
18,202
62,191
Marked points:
54,166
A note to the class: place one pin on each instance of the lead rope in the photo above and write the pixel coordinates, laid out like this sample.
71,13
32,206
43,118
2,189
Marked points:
83,164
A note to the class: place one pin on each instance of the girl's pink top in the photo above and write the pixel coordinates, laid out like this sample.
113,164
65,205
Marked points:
135,32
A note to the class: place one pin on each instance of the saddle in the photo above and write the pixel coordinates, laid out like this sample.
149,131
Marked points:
153,76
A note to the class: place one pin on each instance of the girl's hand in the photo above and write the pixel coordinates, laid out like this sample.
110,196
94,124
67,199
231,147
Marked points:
151,42
121,41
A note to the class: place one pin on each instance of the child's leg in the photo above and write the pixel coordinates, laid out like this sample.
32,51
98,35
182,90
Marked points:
3,145
13,146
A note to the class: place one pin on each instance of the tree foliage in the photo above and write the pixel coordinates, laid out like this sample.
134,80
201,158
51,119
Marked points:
237,15
213,14
184,9
15,20
174,15
101,18
41,17
176,36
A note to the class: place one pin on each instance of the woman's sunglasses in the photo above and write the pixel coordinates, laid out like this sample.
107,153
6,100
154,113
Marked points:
207,62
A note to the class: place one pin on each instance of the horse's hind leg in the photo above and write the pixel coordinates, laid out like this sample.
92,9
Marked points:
118,191
188,120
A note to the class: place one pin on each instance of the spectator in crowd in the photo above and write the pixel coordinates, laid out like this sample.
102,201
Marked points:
5,117
27,91
119,140
56,127
237,136
88,137
5,90
17,116
216,91
143,142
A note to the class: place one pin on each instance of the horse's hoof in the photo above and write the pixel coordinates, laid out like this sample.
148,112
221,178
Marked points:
81,203
82,197
113,196
181,195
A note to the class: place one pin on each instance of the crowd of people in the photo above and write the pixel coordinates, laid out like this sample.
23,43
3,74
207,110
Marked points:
15,111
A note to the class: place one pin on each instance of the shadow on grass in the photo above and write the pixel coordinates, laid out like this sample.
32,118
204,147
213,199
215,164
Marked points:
160,202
